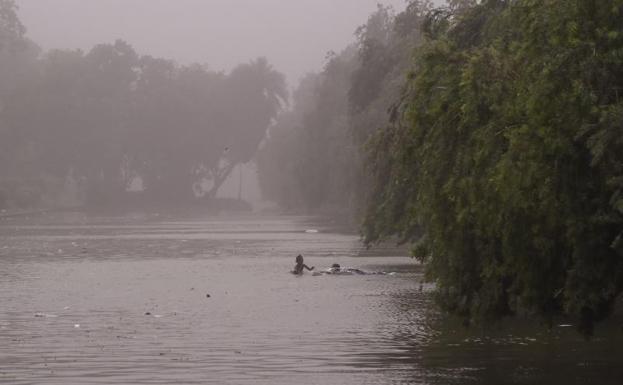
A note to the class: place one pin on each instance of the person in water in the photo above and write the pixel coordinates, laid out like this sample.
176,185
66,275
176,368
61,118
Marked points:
298,268
339,270
335,268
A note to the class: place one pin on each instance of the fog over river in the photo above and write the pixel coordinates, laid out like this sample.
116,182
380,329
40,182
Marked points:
148,299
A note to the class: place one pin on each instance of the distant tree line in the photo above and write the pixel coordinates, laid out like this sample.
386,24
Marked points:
110,121
489,135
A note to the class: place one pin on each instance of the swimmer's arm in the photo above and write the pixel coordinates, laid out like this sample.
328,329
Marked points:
308,268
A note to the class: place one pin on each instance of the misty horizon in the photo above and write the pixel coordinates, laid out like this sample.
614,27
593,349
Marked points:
295,37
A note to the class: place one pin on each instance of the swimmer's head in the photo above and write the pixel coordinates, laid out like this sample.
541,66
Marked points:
335,266
299,258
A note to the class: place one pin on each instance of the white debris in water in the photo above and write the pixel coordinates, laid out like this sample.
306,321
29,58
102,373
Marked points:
45,315
76,326
311,231
565,325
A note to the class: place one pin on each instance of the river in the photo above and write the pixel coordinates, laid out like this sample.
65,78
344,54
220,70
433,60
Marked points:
163,299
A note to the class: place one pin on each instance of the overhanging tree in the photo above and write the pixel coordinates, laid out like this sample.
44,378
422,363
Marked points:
508,156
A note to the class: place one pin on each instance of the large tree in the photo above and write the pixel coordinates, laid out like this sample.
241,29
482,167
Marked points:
18,66
506,165
194,126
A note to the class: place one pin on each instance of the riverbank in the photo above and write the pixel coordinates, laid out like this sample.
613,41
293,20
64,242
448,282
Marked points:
13,213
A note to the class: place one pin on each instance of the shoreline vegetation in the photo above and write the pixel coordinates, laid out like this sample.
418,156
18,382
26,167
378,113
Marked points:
485,135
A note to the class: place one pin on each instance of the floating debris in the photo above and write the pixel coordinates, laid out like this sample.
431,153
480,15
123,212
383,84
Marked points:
45,315
311,231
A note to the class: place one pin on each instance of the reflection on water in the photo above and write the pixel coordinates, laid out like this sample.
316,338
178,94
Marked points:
125,300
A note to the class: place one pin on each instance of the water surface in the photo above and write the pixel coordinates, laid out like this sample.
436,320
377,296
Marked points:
92,299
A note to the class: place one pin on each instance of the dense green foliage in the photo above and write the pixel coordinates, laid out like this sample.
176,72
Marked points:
505,165
110,121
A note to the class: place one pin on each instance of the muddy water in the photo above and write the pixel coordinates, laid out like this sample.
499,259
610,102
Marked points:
150,299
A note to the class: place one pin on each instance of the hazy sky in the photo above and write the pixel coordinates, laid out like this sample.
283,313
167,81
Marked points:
294,35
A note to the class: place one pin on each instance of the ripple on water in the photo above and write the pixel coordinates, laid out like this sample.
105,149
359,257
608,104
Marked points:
137,289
